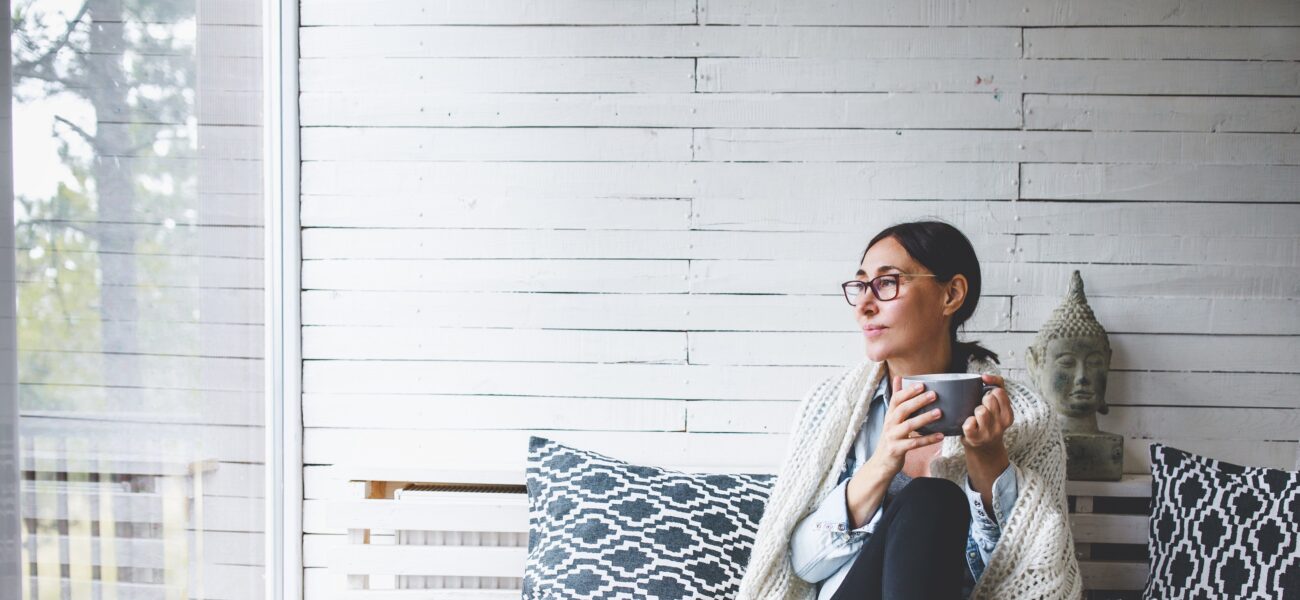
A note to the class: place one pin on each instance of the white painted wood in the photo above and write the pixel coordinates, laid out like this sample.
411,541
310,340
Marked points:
494,12
454,511
610,276
1129,486
499,75
995,76
997,12
495,344
1110,529
950,181
614,225
1165,183
417,210
483,144
997,146
921,110
839,215
659,41
482,561
1053,218
1282,251
1236,43
492,412
354,243
1107,575
1162,113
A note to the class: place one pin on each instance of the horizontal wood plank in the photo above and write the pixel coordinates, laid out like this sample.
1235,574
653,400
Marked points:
1099,112
687,109
997,12
658,41
495,12
1217,43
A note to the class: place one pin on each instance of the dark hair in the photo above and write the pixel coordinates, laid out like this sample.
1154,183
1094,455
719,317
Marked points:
945,251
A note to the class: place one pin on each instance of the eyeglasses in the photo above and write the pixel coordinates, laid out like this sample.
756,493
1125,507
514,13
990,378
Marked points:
885,287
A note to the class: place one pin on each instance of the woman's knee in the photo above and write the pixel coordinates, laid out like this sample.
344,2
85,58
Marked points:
932,493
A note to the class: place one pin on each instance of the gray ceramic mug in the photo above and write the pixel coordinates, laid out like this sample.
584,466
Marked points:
957,396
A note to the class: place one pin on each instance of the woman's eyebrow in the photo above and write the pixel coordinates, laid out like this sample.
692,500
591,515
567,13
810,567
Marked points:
880,270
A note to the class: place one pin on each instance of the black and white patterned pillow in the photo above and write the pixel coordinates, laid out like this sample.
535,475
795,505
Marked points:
1220,530
599,527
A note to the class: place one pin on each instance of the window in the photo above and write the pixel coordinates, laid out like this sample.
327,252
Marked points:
139,209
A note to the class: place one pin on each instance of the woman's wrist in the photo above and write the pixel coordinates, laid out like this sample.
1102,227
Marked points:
865,490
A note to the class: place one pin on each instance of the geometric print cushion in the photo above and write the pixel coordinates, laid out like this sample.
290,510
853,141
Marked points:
599,527
1220,530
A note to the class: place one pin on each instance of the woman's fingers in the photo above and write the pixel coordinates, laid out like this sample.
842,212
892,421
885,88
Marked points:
925,440
969,429
1006,411
916,422
985,417
903,395
994,407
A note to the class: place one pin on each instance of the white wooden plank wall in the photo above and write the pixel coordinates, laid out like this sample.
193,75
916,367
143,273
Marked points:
623,224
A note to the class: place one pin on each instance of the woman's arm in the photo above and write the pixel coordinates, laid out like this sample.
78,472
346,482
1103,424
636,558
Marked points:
986,454
825,540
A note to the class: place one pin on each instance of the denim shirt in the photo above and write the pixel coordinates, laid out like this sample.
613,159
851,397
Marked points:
823,545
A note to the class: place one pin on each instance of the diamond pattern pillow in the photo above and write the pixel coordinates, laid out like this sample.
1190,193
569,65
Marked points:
599,527
1222,531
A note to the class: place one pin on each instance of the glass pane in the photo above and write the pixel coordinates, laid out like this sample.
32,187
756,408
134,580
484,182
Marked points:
138,209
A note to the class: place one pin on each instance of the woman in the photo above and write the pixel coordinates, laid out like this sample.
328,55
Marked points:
865,507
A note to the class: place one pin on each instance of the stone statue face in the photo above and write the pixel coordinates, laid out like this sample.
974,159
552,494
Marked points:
1072,374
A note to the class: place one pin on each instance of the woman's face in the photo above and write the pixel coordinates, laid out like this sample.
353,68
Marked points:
916,321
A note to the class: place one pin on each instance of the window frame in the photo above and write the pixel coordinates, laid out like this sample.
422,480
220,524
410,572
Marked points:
283,293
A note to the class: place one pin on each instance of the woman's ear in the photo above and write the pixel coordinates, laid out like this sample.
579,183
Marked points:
954,294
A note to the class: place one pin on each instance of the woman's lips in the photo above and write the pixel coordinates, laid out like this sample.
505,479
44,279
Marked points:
874,331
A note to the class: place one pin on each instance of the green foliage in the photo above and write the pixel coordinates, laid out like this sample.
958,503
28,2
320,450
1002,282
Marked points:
126,69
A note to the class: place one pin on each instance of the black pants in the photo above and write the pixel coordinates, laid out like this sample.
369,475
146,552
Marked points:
917,550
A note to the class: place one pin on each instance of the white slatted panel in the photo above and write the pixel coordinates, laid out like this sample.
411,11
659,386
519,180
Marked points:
623,225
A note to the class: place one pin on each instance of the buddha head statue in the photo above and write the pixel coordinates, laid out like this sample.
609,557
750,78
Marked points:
1069,360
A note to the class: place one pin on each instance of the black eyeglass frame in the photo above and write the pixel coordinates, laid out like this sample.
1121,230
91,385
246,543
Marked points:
873,284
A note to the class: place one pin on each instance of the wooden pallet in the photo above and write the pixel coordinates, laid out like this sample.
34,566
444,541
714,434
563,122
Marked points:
1110,521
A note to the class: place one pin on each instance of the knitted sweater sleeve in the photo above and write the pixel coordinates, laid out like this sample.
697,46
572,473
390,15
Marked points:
1035,555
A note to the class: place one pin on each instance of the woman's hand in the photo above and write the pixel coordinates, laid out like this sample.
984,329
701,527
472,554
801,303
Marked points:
982,432
898,435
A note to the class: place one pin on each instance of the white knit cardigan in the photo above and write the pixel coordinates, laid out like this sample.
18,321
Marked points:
1034,557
